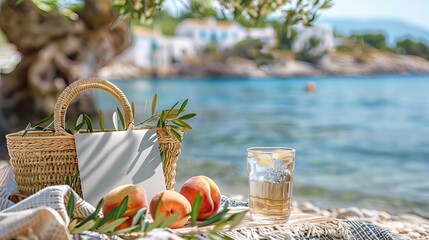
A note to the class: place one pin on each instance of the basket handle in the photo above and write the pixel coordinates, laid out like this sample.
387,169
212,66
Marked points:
79,86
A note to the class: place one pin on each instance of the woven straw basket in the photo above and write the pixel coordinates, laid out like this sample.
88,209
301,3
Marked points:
40,159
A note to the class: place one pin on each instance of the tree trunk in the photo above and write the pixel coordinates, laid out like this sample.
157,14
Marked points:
55,52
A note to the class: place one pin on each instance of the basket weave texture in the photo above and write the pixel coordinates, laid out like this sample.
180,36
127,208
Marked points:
40,159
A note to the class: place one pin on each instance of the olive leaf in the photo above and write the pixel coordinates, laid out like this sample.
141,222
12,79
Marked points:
235,219
122,208
157,204
44,120
220,224
161,120
156,223
182,107
121,117
144,109
176,135
144,225
170,220
109,216
67,181
125,230
37,126
72,225
93,216
68,130
215,236
187,116
141,212
96,214
172,114
85,227
171,109
183,123
151,119
74,179
154,102
163,156
195,208
115,120
79,120
110,227
217,217
133,109
27,128
79,126
232,221
70,206
88,122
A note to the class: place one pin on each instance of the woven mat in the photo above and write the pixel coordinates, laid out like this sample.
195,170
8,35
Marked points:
43,216
299,225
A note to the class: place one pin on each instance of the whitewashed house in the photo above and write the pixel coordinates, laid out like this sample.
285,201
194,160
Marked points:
152,49
267,35
222,33
210,31
323,33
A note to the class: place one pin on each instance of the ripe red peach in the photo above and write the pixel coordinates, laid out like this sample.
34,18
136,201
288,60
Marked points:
136,200
211,196
171,202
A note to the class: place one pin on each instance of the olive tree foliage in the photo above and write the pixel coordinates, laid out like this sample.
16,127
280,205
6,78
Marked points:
61,41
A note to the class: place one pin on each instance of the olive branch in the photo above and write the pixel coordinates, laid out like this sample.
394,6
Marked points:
107,224
173,120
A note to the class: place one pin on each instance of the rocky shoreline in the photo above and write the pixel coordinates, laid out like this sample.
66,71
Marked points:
336,63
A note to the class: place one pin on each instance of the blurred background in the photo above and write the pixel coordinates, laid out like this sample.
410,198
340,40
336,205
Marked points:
345,83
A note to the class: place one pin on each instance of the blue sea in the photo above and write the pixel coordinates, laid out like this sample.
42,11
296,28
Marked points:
361,141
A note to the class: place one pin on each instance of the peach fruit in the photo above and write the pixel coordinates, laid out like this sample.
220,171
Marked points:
171,202
210,201
136,200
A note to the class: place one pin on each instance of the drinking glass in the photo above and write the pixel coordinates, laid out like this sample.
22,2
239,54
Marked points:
270,171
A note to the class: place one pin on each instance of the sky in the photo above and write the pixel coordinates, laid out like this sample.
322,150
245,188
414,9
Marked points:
415,12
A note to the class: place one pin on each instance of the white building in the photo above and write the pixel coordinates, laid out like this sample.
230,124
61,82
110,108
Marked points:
323,33
221,33
152,49
267,35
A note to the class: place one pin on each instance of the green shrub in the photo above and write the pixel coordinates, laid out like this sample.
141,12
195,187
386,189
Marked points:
252,49
411,47
377,41
307,54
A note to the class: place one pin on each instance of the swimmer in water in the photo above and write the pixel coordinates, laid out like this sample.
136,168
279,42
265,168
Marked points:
310,87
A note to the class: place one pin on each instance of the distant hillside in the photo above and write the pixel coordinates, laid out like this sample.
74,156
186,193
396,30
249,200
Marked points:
394,30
